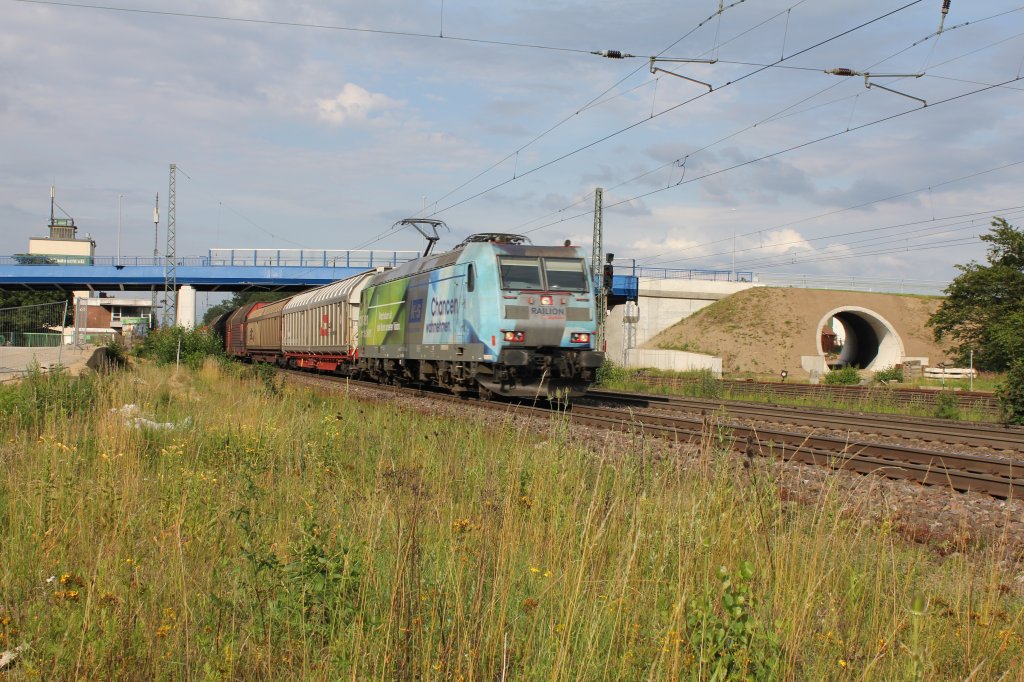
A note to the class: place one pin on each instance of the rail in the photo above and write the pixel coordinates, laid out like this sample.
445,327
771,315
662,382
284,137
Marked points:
920,397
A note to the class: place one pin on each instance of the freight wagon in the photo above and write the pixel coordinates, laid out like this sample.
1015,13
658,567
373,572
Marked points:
494,316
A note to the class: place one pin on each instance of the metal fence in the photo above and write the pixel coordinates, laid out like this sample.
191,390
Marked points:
305,258
301,258
809,281
624,266
33,332
854,283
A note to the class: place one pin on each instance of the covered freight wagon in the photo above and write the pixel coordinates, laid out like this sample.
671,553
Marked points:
263,332
234,329
321,326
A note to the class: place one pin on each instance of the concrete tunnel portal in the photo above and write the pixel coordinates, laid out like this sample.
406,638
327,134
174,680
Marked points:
871,342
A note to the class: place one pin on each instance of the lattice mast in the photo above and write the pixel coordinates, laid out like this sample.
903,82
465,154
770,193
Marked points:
170,316
597,268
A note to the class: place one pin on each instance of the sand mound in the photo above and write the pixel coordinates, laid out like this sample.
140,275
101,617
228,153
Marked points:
766,329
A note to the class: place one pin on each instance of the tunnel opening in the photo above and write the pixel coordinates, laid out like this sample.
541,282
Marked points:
867,340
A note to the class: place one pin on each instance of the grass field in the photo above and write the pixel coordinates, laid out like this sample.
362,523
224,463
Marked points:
703,384
278,533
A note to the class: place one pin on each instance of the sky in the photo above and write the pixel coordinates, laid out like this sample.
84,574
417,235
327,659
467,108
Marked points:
318,125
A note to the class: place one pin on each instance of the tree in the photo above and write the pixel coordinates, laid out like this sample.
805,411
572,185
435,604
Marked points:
17,299
33,259
984,306
239,299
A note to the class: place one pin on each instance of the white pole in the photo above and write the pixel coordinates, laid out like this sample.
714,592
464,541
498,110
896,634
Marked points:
972,369
119,197
734,251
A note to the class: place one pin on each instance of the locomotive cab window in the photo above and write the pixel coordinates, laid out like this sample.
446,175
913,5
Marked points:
470,278
520,273
566,274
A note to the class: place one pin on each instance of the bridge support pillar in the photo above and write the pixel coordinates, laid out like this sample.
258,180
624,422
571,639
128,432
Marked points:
186,307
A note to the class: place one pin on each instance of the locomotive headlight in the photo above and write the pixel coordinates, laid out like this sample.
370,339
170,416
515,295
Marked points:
514,336
545,300
579,337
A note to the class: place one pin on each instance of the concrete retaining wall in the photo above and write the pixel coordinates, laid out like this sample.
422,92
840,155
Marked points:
674,360
663,302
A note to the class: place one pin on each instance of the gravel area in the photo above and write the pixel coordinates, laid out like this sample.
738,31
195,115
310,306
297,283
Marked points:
942,519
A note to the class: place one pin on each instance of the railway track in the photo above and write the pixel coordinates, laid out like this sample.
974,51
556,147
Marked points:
984,403
963,472
970,434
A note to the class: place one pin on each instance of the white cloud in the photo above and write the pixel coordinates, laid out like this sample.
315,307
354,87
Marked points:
355,105
784,241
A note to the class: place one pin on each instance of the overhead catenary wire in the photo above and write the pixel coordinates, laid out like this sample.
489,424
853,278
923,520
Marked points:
826,214
783,113
965,241
299,24
788,149
593,102
238,213
964,220
666,111
932,227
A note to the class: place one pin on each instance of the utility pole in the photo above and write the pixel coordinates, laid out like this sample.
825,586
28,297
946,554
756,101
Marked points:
119,198
170,272
156,255
597,268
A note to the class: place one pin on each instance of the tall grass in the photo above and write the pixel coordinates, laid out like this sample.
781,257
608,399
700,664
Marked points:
272,532
703,384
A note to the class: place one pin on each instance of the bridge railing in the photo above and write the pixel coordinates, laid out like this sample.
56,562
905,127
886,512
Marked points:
304,258
625,266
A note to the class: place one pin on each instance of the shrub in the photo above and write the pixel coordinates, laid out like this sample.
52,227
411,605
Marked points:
947,406
1011,395
610,373
708,385
162,346
117,352
890,374
847,376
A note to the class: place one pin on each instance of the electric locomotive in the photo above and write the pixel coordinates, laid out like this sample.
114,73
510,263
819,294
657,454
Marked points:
495,315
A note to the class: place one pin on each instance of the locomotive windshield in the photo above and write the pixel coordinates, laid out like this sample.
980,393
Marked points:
565,274
520,273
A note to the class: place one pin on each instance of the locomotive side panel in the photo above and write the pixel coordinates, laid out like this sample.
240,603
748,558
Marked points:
424,316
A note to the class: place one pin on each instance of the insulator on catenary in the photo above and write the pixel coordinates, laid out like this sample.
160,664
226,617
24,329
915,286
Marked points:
840,71
612,54
945,7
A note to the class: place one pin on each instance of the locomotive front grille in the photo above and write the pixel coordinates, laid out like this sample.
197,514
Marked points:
517,312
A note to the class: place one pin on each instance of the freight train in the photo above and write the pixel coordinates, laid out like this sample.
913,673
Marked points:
495,316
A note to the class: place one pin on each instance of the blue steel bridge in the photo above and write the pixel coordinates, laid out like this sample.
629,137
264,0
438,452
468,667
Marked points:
219,270
225,270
